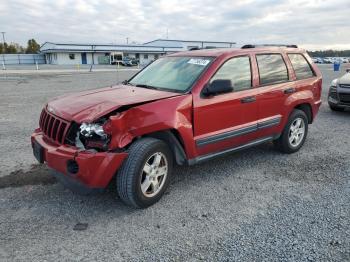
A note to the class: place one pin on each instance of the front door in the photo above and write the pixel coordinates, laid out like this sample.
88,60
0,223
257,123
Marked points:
83,58
227,120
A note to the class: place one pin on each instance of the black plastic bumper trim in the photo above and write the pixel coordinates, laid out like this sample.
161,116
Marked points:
75,185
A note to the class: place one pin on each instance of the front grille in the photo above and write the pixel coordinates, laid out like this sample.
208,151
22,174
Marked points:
344,86
53,127
344,98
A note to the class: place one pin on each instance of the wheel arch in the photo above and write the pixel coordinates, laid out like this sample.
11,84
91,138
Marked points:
307,109
173,139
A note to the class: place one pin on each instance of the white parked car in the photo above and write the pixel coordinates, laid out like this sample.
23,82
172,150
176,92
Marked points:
344,60
317,60
328,60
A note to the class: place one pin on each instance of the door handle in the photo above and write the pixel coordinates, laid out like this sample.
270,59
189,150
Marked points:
248,99
289,90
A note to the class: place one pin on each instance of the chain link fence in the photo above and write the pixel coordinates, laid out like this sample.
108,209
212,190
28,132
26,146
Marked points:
22,59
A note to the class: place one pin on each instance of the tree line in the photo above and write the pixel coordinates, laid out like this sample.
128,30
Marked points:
330,53
13,48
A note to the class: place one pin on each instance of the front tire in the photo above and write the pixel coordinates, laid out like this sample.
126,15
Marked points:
335,108
294,133
145,174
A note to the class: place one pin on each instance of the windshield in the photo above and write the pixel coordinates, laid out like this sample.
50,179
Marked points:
172,73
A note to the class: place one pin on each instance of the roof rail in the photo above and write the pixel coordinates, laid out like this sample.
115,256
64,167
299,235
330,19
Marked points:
194,48
201,48
267,45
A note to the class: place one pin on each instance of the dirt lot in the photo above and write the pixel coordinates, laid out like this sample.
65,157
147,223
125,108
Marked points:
255,205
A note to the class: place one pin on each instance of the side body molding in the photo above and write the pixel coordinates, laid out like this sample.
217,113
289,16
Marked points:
238,132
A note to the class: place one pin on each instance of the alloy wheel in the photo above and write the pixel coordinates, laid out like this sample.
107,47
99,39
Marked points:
154,174
296,132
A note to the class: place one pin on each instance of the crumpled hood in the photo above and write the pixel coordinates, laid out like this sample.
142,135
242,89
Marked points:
90,105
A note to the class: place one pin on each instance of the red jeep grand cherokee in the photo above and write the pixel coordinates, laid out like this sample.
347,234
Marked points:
184,108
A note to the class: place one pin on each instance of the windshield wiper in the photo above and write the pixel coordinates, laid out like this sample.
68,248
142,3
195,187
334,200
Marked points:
146,86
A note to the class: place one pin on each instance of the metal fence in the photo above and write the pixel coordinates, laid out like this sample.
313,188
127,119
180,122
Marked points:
22,59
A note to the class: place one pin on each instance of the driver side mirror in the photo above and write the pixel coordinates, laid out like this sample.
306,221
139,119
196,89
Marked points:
218,86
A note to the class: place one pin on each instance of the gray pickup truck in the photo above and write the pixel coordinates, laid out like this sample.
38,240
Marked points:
339,93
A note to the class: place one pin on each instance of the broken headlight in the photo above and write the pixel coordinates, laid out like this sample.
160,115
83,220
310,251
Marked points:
92,136
89,130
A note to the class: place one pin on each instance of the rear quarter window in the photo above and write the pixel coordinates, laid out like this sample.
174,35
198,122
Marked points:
272,69
301,66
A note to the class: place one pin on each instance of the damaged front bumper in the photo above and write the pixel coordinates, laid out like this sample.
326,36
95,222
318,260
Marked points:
82,171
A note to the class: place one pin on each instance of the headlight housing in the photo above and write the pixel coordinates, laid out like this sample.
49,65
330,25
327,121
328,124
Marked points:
92,136
89,130
334,83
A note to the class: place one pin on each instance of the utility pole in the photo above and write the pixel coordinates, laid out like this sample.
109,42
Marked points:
93,57
127,40
167,33
3,49
3,37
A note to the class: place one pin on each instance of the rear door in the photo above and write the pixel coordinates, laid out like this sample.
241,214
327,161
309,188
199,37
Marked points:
306,78
275,85
227,120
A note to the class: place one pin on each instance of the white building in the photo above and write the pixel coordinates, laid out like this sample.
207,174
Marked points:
67,53
188,45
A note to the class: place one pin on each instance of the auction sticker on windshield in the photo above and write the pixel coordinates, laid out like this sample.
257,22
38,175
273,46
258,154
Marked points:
196,61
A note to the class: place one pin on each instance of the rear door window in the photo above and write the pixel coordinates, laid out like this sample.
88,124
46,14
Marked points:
301,67
272,69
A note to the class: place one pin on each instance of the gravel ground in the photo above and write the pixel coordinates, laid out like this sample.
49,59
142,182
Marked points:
255,205
21,102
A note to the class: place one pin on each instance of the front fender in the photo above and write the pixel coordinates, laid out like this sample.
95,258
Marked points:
165,114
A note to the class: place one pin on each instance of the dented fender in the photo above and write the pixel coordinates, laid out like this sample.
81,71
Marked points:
170,113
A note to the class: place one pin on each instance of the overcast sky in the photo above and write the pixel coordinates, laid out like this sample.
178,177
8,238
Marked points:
313,24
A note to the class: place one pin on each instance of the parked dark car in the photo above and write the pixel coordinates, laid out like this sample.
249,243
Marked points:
128,61
339,93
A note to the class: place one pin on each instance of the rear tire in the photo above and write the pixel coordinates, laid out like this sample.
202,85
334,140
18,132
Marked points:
294,133
145,174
